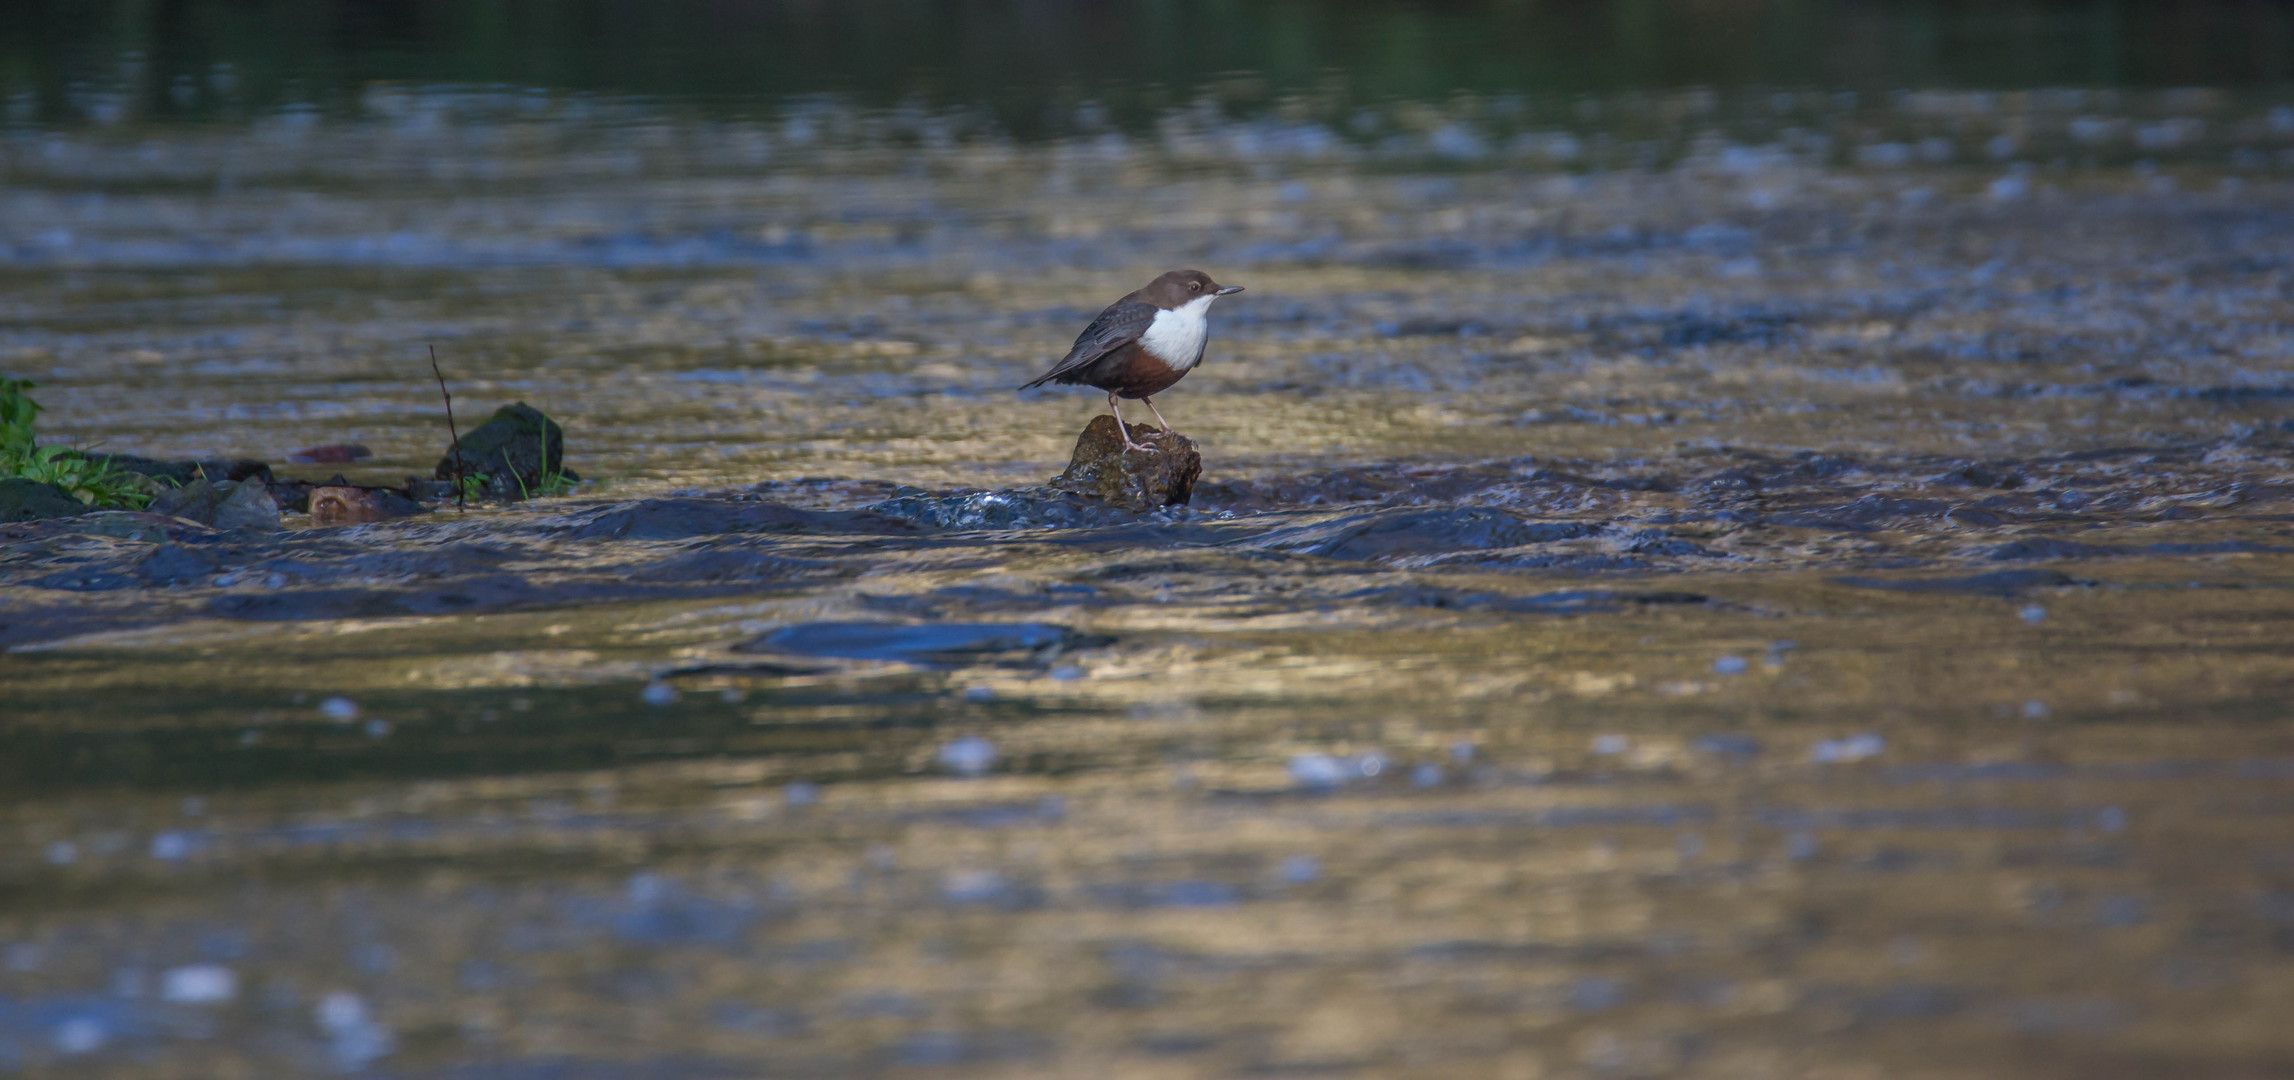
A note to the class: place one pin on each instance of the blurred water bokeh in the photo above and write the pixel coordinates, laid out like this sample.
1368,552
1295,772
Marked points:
1738,539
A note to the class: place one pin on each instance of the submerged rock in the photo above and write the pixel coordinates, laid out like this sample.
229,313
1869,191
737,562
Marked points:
1102,469
31,500
347,505
514,453
246,504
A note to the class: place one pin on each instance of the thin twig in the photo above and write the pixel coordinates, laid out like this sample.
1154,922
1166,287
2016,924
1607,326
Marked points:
456,451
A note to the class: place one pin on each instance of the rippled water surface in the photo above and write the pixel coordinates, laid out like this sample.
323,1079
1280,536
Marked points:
1688,583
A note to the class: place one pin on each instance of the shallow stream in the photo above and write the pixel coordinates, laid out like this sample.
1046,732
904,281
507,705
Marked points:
1803,592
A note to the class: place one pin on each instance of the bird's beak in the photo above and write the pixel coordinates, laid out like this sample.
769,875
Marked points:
1226,290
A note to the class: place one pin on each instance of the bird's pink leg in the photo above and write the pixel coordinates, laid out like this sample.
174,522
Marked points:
1123,428
1158,413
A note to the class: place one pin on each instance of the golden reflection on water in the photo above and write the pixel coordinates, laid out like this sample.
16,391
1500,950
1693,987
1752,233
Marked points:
1283,823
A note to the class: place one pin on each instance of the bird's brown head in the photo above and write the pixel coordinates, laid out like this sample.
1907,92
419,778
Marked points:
1179,288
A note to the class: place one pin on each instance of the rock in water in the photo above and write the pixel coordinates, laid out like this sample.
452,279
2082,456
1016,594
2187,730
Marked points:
245,504
508,452
1101,469
31,500
347,505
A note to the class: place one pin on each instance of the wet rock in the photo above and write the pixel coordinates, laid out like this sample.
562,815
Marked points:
245,504
1101,469
513,453
30,500
356,505
332,454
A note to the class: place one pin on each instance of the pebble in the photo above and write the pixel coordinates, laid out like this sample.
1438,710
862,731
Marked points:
1300,869
1611,744
968,756
63,853
1426,774
378,729
658,694
800,794
2034,710
1730,665
341,710
2034,614
171,846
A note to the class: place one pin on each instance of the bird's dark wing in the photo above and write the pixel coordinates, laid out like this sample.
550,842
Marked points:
1123,321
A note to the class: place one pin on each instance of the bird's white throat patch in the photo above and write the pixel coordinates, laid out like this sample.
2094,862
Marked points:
1177,335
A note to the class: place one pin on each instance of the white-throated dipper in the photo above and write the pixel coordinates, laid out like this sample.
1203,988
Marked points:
1143,343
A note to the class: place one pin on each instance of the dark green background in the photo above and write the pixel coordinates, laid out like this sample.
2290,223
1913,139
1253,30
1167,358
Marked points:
1026,64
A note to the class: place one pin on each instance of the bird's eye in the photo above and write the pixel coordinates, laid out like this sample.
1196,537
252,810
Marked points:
1194,286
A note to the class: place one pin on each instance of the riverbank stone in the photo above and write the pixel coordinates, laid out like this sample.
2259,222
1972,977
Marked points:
31,500
512,452
1102,469
246,504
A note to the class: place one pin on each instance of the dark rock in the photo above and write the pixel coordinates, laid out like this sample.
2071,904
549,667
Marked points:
513,453
246,504
345,505
332,454
1102,469
31,500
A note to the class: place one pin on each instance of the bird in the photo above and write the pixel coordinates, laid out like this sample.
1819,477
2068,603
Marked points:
1142,344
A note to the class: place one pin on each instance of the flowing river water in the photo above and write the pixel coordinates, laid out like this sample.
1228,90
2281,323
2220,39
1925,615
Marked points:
1803,590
